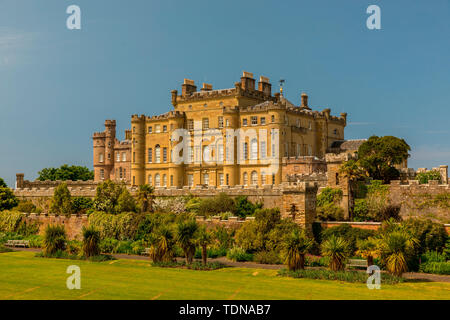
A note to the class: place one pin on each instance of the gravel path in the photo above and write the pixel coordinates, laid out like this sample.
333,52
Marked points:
409,275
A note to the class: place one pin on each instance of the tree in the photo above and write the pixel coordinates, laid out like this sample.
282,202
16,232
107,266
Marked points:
244,207
3,183
204,238
7,199
161,244
125,202
296,245
379,155
336,248
368,249
352,171
61,201
91,241
66,172
186,238
145,197
107,196
396,246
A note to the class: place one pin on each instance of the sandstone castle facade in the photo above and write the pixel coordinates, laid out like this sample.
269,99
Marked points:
248,136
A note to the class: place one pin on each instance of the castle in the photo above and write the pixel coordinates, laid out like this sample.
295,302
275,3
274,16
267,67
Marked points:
239,136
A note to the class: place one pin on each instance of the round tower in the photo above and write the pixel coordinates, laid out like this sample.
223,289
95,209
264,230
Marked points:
110,140
137,150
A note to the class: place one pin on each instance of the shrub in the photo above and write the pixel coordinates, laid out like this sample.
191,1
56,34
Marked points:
125,202
215,205
108,245
185,237
347,276
239,254
351,235
107,196
316,261
395,248
224,237
244,207
295,246
329,195
7,199
26,206
162,245
436,267
361,210
91,240
74,247
425,177
121,226
81,205
327,205
336,248
433,256
267,257
432,236
54,239
10,221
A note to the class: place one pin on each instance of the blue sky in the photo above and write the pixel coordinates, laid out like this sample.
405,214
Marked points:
57,85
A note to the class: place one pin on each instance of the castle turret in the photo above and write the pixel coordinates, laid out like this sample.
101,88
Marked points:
137,150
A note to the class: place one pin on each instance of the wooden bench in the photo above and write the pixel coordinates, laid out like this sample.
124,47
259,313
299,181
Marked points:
18,243
146,252
357,263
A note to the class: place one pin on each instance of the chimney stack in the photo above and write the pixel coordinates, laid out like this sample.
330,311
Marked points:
304,101
247,81
207,87
265,86
188,87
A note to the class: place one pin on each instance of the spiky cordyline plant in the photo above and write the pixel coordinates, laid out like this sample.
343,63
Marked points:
161,248
204,238
336,248
396,246
368,249
295,246
54,239
91,241
186,237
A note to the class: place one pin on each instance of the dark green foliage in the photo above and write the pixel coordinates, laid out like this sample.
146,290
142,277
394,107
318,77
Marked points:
125,202
185,237
81,205
347,276
216,205
194,265
224,237
424,177
436,268
244,207
3,183
327,205
7,199
66,172
26,206
54,239
61,201
432,236
361,210
351,235
378,155
107,196
91,241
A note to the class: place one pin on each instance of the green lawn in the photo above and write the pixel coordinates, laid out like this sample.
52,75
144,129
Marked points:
22,276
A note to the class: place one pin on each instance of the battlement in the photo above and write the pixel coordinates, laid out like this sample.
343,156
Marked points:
99,135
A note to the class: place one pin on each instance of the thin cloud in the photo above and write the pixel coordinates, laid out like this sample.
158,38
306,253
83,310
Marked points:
360,123
13,44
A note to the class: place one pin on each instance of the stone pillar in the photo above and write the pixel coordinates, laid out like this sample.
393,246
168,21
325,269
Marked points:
19,180
443,170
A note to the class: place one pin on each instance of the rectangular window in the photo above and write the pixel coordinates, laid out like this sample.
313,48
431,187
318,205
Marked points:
263,120
118,156
102,174
273,118
244,122
150,155
245,151
150,129
221,179
100,157
273,178
171,181
190,180
157,128
164,154
286,149
206,179
191,154
228,179
227,122
124,156
164,128
220,122
254,120
134,157
263,150
190,124
205,123
220,153
198,154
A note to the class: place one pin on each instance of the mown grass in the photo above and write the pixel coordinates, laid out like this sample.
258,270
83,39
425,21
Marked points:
24,276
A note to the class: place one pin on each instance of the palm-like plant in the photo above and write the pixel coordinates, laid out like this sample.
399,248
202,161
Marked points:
186,231
295,246
54,239
204,238
91,241
161,248
145,197
396,247
368,249
352,171
336,248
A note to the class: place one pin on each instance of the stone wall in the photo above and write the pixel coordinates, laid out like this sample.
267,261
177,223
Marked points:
430,200
72,224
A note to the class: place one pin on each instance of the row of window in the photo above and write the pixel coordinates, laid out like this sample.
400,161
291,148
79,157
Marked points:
124,157
120,173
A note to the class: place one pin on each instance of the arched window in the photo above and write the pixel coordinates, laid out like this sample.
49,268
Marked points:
263,178
254,149
245,179
254,177
150,179
164,180
157,154
157,180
